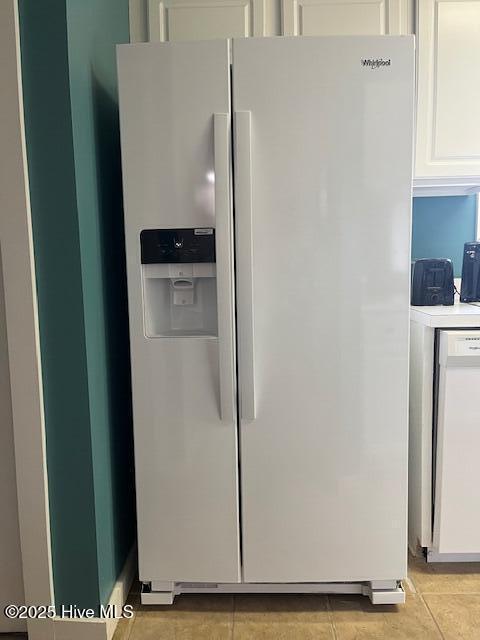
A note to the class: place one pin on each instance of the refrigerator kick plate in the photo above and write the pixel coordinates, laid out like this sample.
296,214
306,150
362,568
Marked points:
379,591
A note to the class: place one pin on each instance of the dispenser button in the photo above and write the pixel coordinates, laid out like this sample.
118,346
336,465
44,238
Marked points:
180,270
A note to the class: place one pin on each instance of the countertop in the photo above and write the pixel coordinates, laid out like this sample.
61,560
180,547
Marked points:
457,315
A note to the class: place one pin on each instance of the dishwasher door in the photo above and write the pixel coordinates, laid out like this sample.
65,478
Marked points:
456,527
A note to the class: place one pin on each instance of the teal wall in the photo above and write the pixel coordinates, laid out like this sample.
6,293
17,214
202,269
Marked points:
94,27
441,226
71,119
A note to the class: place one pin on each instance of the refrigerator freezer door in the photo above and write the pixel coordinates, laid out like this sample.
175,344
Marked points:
175,128
323,254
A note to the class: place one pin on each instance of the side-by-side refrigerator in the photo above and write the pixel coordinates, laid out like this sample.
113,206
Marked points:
267,191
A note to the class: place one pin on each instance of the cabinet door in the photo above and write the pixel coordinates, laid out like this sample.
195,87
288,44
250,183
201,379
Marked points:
346,17
448,129
204,19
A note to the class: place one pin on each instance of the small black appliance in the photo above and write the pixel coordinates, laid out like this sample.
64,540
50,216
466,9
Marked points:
432,282
470,289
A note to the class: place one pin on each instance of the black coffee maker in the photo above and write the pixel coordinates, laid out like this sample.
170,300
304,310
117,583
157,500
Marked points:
470,289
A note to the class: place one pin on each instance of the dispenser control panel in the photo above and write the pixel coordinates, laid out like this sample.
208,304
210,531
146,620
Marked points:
160,246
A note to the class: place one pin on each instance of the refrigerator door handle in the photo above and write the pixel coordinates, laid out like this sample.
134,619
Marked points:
224,260
244,262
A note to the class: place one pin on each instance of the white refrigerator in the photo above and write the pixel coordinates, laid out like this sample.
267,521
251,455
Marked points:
267,193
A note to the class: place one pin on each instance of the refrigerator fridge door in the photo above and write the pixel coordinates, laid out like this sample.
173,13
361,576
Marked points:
176,143
323,168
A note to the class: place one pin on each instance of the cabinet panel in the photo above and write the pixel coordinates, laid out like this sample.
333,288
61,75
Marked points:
448,131
204,19
346,17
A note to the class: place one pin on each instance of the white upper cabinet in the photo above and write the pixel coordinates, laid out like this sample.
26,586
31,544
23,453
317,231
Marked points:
448,108
204,19
447,157
346,17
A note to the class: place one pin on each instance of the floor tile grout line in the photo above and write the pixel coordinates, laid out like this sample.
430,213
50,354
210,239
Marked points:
234,604
432,616
330,616
449,593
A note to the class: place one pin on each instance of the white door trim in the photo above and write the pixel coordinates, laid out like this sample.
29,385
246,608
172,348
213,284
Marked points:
22,324
138,18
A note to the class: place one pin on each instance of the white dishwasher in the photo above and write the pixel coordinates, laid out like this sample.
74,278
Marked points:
456,446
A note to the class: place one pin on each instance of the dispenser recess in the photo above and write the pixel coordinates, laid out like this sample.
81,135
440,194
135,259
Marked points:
179,282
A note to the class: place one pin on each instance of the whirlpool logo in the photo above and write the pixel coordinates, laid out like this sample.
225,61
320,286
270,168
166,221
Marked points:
376,63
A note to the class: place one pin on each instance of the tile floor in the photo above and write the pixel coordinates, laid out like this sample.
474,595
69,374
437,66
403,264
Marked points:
443,602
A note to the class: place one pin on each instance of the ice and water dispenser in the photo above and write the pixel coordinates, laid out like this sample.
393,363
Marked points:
179,282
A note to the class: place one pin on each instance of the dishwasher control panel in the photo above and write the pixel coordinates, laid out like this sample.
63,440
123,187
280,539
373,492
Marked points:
460,348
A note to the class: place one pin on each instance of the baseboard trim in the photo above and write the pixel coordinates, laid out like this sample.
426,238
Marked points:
99,628
81,629
122,588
